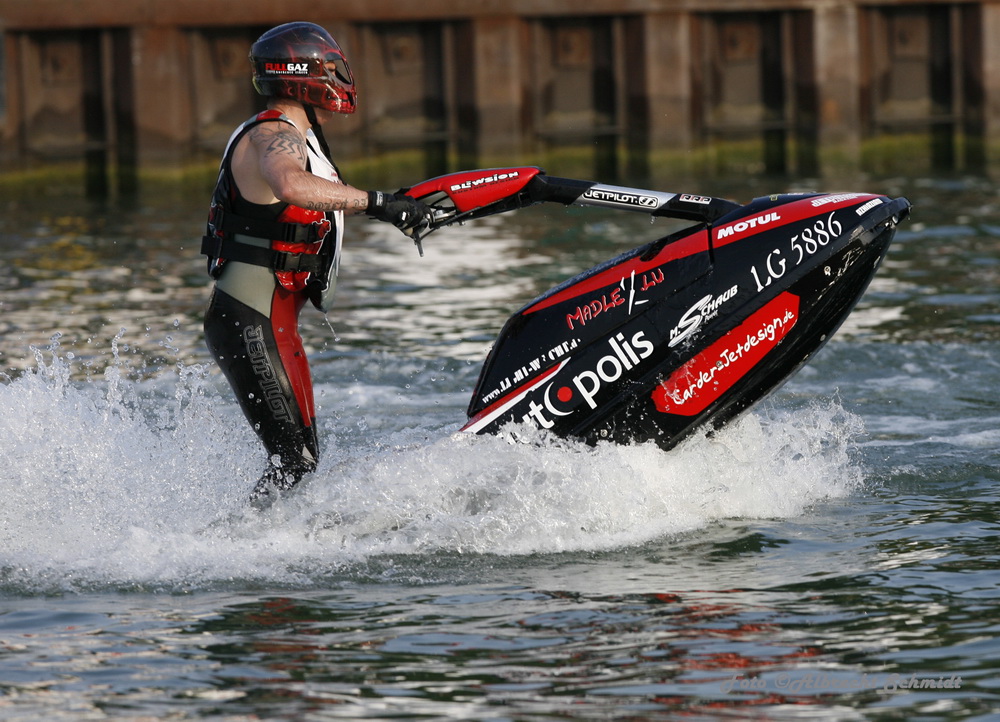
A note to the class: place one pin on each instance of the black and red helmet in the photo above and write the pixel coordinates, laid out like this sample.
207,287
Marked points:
303,62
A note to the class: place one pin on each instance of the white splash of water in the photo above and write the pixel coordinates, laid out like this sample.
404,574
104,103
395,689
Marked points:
115,481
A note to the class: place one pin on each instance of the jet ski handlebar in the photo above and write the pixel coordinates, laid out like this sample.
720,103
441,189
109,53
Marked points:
467,195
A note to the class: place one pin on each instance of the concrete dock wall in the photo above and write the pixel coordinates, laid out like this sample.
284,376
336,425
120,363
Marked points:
801,87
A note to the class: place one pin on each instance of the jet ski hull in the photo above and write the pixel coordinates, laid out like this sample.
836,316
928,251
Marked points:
691,330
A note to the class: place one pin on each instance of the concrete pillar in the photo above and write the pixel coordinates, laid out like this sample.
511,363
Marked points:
838,77
658,54
163,114
490,67
991,80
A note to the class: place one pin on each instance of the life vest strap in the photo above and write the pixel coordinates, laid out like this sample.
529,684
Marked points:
233,250
228,223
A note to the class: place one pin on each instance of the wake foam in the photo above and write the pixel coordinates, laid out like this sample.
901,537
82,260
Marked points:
114,481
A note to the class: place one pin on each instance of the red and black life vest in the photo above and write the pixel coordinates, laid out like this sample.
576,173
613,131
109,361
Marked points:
304,249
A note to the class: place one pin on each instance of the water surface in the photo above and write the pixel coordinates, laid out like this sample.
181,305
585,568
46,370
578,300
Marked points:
832,554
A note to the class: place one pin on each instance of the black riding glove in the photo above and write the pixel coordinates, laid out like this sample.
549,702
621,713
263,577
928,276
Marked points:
400,210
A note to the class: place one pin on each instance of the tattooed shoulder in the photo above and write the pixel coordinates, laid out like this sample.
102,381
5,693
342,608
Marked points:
280,141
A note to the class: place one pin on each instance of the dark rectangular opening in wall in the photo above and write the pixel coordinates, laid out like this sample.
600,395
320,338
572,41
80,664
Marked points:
122,108
3,74
466,114
972,86
410,111
804,101
95,149
575,86
924,89
757,87
79,104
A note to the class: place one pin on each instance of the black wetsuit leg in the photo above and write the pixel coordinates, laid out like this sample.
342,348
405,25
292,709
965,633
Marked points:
243,343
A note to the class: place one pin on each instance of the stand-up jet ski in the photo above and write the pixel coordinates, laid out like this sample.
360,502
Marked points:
685,331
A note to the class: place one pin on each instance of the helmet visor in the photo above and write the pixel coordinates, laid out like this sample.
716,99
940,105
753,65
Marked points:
337,68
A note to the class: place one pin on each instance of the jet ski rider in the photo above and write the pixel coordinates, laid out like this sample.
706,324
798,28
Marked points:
273,241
